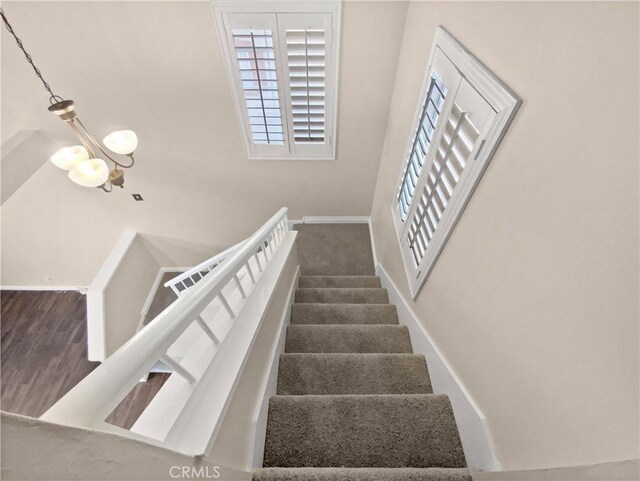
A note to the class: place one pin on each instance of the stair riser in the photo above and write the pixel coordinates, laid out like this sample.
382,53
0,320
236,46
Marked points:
331,374
362,474
347,295
339,281
337,339
362,431
311,313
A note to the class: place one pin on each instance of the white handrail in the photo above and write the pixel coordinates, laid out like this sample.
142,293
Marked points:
205,266
90,402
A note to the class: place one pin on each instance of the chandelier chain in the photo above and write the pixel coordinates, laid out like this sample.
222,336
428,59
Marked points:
53,97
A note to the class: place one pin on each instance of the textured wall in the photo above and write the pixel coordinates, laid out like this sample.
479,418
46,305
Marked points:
534,300
96,456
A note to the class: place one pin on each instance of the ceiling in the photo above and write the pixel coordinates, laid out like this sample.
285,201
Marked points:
157,68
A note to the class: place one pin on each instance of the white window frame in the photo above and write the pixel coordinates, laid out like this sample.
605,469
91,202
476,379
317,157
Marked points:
505,103
291,150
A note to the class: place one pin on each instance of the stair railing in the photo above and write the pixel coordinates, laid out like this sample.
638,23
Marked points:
188,279
91,401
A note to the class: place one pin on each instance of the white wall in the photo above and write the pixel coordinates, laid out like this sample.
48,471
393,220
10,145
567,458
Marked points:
22,155
126,294
96,456
534,300
156,67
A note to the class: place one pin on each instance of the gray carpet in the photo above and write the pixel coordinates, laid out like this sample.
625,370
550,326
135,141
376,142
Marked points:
339,281
347,295
354,402
361,474
392,431
310,313
322,373
334,250
348,338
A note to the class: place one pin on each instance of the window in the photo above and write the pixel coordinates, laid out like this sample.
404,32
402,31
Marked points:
460,121
421,142
256,64
282,63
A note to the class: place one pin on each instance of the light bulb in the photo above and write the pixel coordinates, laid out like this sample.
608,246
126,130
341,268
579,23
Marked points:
121,142
90,173
68,157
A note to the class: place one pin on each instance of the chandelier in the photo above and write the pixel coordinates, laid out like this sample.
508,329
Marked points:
85,163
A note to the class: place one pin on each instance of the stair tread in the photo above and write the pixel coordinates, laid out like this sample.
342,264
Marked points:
348,373
342,313
371,430
339,281
347,338
355,295
362,474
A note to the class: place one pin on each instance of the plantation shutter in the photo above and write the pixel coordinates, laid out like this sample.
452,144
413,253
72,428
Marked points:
421,143
458,144
255,57
309,81
306,62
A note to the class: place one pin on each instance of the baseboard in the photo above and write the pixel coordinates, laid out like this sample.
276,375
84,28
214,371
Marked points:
373,243
472,424
343,219
80,289
268,389
627,470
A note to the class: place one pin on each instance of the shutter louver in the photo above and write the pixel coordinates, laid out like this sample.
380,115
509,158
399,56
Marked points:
420,144
454,151
306,55
258,73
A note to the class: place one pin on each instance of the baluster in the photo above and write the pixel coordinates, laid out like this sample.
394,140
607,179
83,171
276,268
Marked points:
226,305
264,251
240,288
258,261
175,290
205,327
177,367
253,279
271,241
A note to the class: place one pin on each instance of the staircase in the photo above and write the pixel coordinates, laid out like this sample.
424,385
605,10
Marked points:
353,402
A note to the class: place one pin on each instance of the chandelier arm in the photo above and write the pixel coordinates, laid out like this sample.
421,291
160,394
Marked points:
53,98
92,138
103,187
85,142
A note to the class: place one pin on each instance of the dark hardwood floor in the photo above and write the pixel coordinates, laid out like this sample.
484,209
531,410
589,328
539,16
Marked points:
44,354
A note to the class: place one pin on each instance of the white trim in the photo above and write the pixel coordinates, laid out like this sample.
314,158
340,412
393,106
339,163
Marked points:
222,8
505,103
622,470
196,407
96,323
80,289
373,243
474,431
354,219
269,387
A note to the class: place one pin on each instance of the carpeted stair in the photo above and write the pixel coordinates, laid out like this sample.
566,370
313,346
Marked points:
353,402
